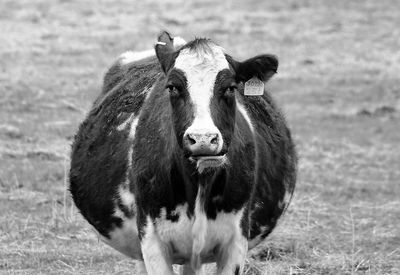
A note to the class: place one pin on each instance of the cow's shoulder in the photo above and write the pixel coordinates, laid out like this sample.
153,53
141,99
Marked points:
276,180
125,89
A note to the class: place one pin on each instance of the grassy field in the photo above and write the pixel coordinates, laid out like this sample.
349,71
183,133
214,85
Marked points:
338,84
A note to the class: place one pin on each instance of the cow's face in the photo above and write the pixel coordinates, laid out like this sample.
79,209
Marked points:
202,82
202,94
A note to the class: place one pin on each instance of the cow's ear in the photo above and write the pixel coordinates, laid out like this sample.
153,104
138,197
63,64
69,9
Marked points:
262,66
165,51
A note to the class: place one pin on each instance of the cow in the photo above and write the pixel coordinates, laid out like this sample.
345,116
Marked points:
175,164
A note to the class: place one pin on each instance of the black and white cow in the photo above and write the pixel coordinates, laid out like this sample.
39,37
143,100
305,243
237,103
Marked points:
175,165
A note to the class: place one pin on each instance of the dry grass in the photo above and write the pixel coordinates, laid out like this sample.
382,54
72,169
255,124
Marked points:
338,84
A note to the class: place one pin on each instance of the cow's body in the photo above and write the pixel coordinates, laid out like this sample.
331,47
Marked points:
132,181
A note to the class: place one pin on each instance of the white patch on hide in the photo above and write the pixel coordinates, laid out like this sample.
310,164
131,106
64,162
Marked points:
196,238
179,42
131,56
257,240
125,239
127,198
199,231
129,166
132,130
132,121
223,228
124,124
233,245
243,111
177,233
156,253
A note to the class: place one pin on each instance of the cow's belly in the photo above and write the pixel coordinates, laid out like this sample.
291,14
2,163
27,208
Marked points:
125,239
179,235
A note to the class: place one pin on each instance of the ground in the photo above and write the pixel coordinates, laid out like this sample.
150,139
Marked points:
338,84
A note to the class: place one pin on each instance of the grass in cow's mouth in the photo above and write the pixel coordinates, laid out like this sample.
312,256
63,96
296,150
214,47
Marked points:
207,162
203,157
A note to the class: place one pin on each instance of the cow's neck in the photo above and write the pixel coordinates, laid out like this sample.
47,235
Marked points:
208,191
205,184
203,187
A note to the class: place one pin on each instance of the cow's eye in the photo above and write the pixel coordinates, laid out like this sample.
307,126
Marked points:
231,90
173,90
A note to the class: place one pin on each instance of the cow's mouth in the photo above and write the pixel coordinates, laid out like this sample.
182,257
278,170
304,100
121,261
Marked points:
205,162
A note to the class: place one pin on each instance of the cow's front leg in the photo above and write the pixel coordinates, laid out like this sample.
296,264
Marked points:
156,254
232,256
140,268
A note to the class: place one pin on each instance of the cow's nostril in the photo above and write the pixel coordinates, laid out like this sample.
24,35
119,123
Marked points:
191,140
214,140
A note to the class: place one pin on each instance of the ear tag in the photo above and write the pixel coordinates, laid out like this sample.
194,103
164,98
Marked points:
254,86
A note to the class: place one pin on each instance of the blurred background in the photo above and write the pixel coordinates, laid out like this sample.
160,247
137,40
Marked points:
338,84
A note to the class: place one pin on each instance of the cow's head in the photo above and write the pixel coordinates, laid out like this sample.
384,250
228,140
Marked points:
202,84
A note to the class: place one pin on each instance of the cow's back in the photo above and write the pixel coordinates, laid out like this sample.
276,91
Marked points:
101,153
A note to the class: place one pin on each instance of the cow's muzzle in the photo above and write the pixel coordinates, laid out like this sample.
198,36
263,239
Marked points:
202,143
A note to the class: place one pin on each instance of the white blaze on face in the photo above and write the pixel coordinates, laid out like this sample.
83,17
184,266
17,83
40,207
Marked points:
201,67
